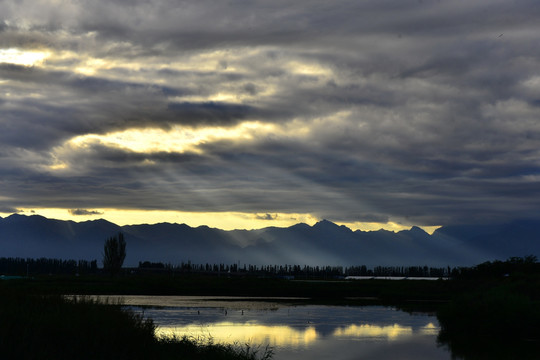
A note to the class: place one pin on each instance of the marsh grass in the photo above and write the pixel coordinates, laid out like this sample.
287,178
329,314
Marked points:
204,347
495,313
494,324
79,327
52,327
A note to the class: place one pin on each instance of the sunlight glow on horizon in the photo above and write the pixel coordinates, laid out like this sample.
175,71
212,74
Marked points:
220,220
389,226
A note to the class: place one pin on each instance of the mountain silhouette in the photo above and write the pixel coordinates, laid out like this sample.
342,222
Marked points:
324,243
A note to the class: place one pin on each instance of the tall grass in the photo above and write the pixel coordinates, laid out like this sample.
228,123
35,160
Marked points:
189,347
51,327
55,327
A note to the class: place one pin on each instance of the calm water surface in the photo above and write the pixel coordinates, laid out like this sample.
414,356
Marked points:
298,331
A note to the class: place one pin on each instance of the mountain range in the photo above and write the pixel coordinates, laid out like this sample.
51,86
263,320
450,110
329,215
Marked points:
324,243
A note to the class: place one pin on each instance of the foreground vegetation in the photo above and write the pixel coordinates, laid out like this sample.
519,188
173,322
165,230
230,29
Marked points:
494,312
53,327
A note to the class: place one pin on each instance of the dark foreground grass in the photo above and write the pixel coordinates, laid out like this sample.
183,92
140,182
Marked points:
495,312
53,327
495,324
204,348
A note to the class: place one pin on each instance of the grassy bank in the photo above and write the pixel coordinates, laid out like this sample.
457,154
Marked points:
52,327
495,312
379,291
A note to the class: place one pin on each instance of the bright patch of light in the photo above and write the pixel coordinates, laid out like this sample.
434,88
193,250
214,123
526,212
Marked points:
91,66
85,65
533,83
308,69
178,139
243,333
392,332
389,226
22,57
430,329
223,97
220,220
58,166
429,229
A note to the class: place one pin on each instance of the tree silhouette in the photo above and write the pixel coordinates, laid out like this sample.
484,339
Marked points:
114,253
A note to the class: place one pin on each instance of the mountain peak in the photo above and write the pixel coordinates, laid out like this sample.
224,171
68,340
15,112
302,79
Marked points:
97,221
300,226
417,230
16,217
325,224
35,236
414,231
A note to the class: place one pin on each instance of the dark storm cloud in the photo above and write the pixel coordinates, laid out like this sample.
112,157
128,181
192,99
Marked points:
209,113
84,212
7,209
267,217
98,106
418,112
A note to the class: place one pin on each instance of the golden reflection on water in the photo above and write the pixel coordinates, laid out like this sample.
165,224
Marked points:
285,336
392,332
246,332
429,329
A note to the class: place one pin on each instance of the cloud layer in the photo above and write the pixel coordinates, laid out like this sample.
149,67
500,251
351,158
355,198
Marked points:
420,112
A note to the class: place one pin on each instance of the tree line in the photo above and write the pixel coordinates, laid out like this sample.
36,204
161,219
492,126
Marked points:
40,266
31,266
114,254
28,266
303,271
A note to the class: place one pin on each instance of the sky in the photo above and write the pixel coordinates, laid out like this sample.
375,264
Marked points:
248,114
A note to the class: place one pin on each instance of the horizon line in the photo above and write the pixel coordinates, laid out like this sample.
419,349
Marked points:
87,218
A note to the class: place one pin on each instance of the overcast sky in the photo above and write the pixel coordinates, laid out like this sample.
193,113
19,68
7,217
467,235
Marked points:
382,113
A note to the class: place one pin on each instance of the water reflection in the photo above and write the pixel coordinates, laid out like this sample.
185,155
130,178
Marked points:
286,336
391,332
300,331
430,329
282,336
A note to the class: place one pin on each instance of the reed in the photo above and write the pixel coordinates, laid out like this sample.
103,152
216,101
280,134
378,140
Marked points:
79,327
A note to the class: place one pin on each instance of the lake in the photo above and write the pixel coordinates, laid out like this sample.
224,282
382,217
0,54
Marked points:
297,331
